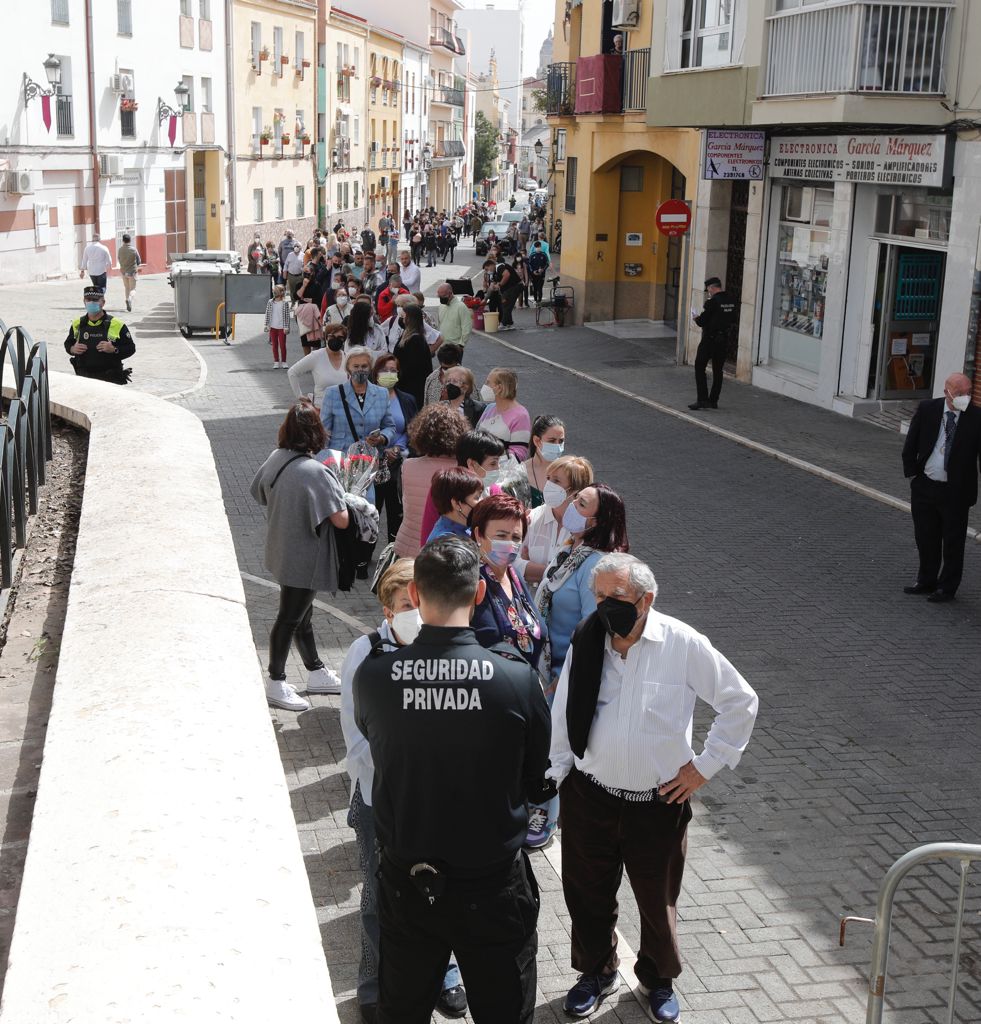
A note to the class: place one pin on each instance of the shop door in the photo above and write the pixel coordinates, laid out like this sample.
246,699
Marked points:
906,317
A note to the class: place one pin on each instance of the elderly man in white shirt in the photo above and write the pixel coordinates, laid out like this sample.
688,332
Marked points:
411,274
96,262
622,757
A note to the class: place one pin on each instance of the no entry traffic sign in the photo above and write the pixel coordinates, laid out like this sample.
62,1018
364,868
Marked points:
673,217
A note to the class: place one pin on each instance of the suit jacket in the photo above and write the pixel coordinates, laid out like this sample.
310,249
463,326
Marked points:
965,452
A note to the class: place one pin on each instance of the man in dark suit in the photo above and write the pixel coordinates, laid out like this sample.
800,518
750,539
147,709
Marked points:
716,320
942,455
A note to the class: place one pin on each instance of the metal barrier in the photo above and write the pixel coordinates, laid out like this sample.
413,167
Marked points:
25,441
963,852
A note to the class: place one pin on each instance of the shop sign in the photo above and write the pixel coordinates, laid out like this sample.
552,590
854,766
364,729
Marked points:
864,159
733,155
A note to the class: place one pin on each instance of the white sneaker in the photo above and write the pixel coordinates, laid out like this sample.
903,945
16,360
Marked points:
279,694
323,680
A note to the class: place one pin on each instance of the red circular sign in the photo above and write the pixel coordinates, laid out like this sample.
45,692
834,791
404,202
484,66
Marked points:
673,217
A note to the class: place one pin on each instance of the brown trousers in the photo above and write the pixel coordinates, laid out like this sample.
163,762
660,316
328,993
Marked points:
602,835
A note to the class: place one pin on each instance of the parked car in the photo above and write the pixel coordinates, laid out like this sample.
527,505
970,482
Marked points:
515,216
528,184
498,227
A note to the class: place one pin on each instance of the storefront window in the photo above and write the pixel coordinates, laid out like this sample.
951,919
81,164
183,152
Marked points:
803,253
914,213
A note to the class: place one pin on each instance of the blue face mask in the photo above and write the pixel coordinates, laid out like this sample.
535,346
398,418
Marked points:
93,308
551,450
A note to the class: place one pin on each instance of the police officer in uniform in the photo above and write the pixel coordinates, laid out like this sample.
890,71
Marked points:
98,342
453,725
715,320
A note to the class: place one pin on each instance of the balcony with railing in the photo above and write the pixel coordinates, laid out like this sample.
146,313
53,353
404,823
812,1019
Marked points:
64,114
560,89
447,96
439,36
896,49
636,71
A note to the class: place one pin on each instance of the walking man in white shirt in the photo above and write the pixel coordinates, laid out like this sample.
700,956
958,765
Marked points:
410,273
621,754
96,262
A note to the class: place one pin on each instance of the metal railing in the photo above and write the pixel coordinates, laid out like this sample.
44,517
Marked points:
962,852
560,88
893,48
636,71
64,115
25,441
448,95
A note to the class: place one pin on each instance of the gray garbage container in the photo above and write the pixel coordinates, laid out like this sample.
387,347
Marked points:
198,280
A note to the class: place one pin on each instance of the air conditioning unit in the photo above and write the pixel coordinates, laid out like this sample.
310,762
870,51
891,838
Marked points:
626,13
18,183
110,165
116,83
126,83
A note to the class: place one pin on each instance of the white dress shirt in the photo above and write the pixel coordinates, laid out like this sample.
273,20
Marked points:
543,538
934,467
411,277
642,728
359,765
96,259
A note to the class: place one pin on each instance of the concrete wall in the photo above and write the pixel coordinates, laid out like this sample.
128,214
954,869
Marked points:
164,878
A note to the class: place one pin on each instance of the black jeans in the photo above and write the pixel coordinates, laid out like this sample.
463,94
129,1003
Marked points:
489,923
389,496
537,284
710,350
940,528
293,622
99,280
508,299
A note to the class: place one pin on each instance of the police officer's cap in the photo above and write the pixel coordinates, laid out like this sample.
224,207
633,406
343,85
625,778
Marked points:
713,281
93,292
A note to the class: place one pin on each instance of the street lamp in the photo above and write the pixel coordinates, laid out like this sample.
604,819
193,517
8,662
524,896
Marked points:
164,110
52,71
538,147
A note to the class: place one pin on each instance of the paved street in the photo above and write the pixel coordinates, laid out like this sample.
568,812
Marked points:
866,743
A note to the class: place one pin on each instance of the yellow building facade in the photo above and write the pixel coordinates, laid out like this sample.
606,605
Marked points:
610,170
274,60
384,123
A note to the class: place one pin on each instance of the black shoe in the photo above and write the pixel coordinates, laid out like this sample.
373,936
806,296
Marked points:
940,597
452,1002
713,405
920,588
362,571
698,405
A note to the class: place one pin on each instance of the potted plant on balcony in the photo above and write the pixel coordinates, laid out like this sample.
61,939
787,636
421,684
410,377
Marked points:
265,136
376,80
304,63
130,106
284,58
264,54
348,71
305,138
285,138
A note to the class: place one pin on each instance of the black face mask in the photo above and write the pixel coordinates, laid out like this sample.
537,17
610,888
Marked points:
445,299
335,344
619,617
453,391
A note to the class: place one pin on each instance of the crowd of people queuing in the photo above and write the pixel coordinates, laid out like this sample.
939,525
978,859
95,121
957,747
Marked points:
509,554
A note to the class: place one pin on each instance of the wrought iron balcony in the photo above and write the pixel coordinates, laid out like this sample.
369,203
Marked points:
450,97
444,37
560,89
636,71
886,48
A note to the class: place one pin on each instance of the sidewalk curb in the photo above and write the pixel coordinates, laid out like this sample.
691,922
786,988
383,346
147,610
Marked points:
740,439
202,375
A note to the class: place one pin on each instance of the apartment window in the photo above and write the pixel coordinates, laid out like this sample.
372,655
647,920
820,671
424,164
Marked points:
204,10
357,62
346,196
357,130
279,203
560,144
256,128
299,50
298,129
706,33
127,118
189,85
301,201
125,209
355,195
340,57
413,92
59,12
206,96
124,17
278,51
279,124
256,42
571,166
185,8
340,197
64,110
257,205
631,178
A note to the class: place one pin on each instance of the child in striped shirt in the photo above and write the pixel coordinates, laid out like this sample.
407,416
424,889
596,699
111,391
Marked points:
278,325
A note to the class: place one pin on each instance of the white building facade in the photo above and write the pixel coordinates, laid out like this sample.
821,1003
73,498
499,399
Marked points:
415,125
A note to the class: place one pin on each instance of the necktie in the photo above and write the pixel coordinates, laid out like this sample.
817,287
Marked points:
950,425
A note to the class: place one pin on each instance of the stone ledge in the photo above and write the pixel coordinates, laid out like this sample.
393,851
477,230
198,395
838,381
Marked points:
164,875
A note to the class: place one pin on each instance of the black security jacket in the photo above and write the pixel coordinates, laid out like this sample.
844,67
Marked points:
965,452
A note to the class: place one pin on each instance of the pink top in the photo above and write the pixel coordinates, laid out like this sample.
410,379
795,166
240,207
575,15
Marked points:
513,427
417,477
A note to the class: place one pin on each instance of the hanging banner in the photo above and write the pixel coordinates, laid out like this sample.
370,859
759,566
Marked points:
46,112
921,160
172,130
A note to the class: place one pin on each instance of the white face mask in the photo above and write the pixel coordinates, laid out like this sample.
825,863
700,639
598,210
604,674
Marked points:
491,477
341,299
574,521
407,625
487,394
961,402
553,494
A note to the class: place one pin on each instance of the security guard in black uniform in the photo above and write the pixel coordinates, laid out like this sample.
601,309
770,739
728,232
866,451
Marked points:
454,727
715,320
98,343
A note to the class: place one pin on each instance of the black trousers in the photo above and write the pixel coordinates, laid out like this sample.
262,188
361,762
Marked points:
940,528
489,923
508,299
710,350
537,284
601,835
293,622
389,496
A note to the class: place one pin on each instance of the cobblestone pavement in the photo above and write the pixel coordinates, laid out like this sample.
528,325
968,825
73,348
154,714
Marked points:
867,738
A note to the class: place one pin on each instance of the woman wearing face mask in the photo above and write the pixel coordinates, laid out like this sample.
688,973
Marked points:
357,410
455,493
597,524
362,329
521,272
399,627
326,366
339,311
433,438
504,416
413,354
547,444
402,406
458,389
546,535
507,613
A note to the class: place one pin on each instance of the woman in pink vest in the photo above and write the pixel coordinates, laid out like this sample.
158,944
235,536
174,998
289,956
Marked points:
433,438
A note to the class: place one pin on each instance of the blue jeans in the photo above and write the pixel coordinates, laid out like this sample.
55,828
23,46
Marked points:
362,820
